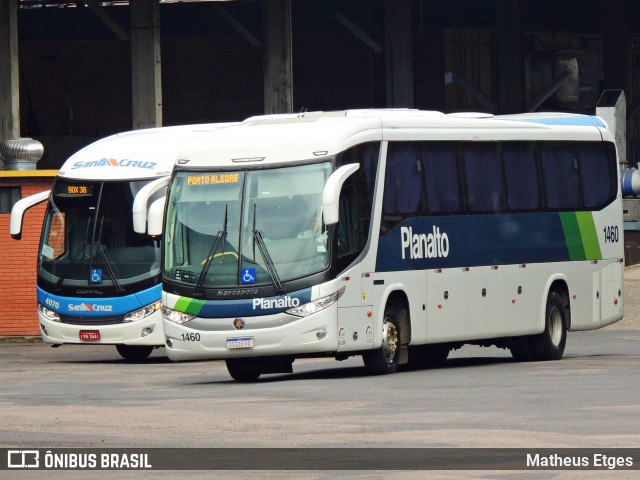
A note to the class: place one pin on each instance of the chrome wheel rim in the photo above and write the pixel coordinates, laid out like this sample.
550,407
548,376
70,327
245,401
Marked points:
555,326
389,341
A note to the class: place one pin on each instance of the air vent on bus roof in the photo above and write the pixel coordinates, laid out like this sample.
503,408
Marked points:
362,112
392,112
470,115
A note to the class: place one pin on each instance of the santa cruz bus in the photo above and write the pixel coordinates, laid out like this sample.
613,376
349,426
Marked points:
98,281
397,235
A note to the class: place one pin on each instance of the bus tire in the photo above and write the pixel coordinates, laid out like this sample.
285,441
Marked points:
520,349
549,345
428,356
244,369
384,360
134,353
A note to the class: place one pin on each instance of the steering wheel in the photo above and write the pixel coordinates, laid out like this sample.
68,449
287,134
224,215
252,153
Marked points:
221,254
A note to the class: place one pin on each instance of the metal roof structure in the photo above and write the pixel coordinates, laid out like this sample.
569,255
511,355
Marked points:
81,4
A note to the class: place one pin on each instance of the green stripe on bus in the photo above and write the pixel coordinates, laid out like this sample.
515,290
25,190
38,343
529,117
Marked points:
572,236
189,305
589,235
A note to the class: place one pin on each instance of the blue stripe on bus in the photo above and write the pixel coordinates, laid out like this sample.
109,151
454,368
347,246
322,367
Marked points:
468,241
97,307
243,307
150,295
580,121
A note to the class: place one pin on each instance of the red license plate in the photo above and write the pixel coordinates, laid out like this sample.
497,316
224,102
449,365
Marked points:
90,335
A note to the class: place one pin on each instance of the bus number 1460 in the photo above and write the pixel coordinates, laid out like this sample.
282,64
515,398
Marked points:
190,337
611,234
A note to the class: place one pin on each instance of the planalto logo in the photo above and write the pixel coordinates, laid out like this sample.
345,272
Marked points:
424,245
86,307
115,163
267,303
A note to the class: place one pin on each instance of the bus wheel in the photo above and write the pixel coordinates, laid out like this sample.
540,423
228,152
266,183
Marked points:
520,349
244,369
428,356
549,345
385,359
134,353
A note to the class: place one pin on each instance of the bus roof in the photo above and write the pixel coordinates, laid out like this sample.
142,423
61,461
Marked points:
280,138
557,118
137,154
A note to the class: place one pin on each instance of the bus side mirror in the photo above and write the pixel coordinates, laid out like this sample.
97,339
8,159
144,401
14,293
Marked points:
331,193
139,209
21,206
156,215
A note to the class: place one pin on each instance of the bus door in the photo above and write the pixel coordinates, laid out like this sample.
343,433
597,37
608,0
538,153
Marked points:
355,322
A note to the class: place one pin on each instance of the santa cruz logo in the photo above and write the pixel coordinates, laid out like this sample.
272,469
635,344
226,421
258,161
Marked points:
424,245
86,307
283,302
115,163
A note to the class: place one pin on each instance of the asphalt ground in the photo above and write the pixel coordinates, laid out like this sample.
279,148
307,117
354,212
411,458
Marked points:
88,397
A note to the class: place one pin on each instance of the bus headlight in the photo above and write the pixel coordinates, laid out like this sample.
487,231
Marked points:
175,316
316,305
48,313
143,312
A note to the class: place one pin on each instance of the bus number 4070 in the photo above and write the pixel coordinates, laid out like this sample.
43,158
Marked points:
611,234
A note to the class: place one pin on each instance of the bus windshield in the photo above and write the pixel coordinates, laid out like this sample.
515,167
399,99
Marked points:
244,228
88,238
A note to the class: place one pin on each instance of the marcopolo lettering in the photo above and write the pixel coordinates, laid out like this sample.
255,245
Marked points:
267,303
104,162
424,245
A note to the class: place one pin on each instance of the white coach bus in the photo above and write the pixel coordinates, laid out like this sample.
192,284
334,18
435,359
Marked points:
98,281
397,235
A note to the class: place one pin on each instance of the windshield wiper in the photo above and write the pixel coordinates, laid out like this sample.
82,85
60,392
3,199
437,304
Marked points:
221,237
258,239
81,249
108,265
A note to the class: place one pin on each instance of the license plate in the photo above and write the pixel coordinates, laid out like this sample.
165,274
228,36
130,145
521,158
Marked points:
240,342
90,335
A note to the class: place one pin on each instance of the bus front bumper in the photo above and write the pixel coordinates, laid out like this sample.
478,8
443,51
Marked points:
147,331
204,339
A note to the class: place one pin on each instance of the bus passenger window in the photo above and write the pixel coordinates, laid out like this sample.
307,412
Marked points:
403,181
598,174
562,187
441,176
484,177
519,160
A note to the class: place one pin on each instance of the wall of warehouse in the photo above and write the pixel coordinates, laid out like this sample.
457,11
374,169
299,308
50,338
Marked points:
18,309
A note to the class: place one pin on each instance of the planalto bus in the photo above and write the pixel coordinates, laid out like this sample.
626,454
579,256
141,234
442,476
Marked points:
98,281
397,235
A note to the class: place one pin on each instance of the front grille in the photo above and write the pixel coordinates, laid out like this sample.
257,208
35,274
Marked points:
90,321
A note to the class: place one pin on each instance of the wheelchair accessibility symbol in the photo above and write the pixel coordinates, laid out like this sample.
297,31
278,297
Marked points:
95,275
248,275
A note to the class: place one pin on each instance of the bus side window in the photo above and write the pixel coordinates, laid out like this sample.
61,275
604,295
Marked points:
356,201
598,174
403,181
519,161
561,181
56,241
348,241
441,176
483,175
